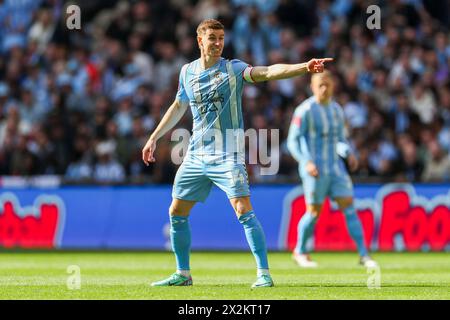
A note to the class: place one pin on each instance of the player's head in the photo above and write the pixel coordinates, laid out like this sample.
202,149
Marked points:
322,86
210,38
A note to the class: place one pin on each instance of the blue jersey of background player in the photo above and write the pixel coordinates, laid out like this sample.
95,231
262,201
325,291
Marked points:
317,141
212,87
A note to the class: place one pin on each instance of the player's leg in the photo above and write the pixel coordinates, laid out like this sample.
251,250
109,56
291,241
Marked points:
232,178
355,229
180,238
305,227
180,233
354,226
255,238
190,186
315,190
253,231
342,193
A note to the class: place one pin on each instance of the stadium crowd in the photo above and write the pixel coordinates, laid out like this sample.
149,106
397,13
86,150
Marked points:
82,103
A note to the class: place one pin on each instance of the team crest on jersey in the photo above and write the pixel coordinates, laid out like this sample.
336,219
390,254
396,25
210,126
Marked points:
217,77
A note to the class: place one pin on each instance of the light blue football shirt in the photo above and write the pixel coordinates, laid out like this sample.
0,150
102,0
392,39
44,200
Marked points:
215,98
317,134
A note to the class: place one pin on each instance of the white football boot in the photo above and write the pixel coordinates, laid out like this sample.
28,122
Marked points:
303,260
368,262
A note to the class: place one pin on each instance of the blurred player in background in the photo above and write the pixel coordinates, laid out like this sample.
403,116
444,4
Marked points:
212,87
317,141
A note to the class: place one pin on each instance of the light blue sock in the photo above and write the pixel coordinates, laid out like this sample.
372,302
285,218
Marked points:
255,238
355,229
180,237
305,229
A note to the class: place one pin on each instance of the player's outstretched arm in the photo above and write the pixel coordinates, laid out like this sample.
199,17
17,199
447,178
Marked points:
170,119
284,71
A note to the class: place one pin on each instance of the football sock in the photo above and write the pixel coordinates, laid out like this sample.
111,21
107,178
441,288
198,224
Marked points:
305,229
184,273
260,272
255,238
355,229
180,237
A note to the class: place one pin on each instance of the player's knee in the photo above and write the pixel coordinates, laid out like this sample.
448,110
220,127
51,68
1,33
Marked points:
241,206
315,213
344,203
175,210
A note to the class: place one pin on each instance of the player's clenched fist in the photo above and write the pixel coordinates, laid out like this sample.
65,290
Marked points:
317,65
148,150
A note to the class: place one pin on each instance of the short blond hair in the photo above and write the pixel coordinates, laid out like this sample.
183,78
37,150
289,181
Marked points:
324,74
209,24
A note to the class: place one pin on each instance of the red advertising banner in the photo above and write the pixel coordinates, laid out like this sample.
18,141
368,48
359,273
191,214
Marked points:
37,226
396,218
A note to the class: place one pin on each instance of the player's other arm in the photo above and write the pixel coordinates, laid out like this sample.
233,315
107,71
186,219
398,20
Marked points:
293,139
169,120
284,71
343,147
297,145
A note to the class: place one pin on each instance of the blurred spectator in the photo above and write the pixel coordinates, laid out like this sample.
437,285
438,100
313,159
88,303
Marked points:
42,30
382,157
401,114
355,112
409,164
124,116
80,169
437,165
22,162
143,61
210,9
423,103
443,135
169,66
42,149
251,36
107,170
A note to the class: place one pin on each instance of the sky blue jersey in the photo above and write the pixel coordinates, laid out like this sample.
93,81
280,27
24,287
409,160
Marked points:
317,133
215,98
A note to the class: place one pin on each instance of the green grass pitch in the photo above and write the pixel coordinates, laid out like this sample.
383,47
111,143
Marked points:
220,275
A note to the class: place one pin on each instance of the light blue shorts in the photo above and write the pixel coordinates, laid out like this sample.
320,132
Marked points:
196,176
334,186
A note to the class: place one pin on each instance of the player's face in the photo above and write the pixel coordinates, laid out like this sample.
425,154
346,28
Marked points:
212,42
322,88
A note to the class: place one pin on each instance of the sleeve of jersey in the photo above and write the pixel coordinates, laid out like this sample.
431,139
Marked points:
181,93
240,67
296,142
247,75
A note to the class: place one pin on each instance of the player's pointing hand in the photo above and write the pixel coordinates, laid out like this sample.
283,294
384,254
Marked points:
317,65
